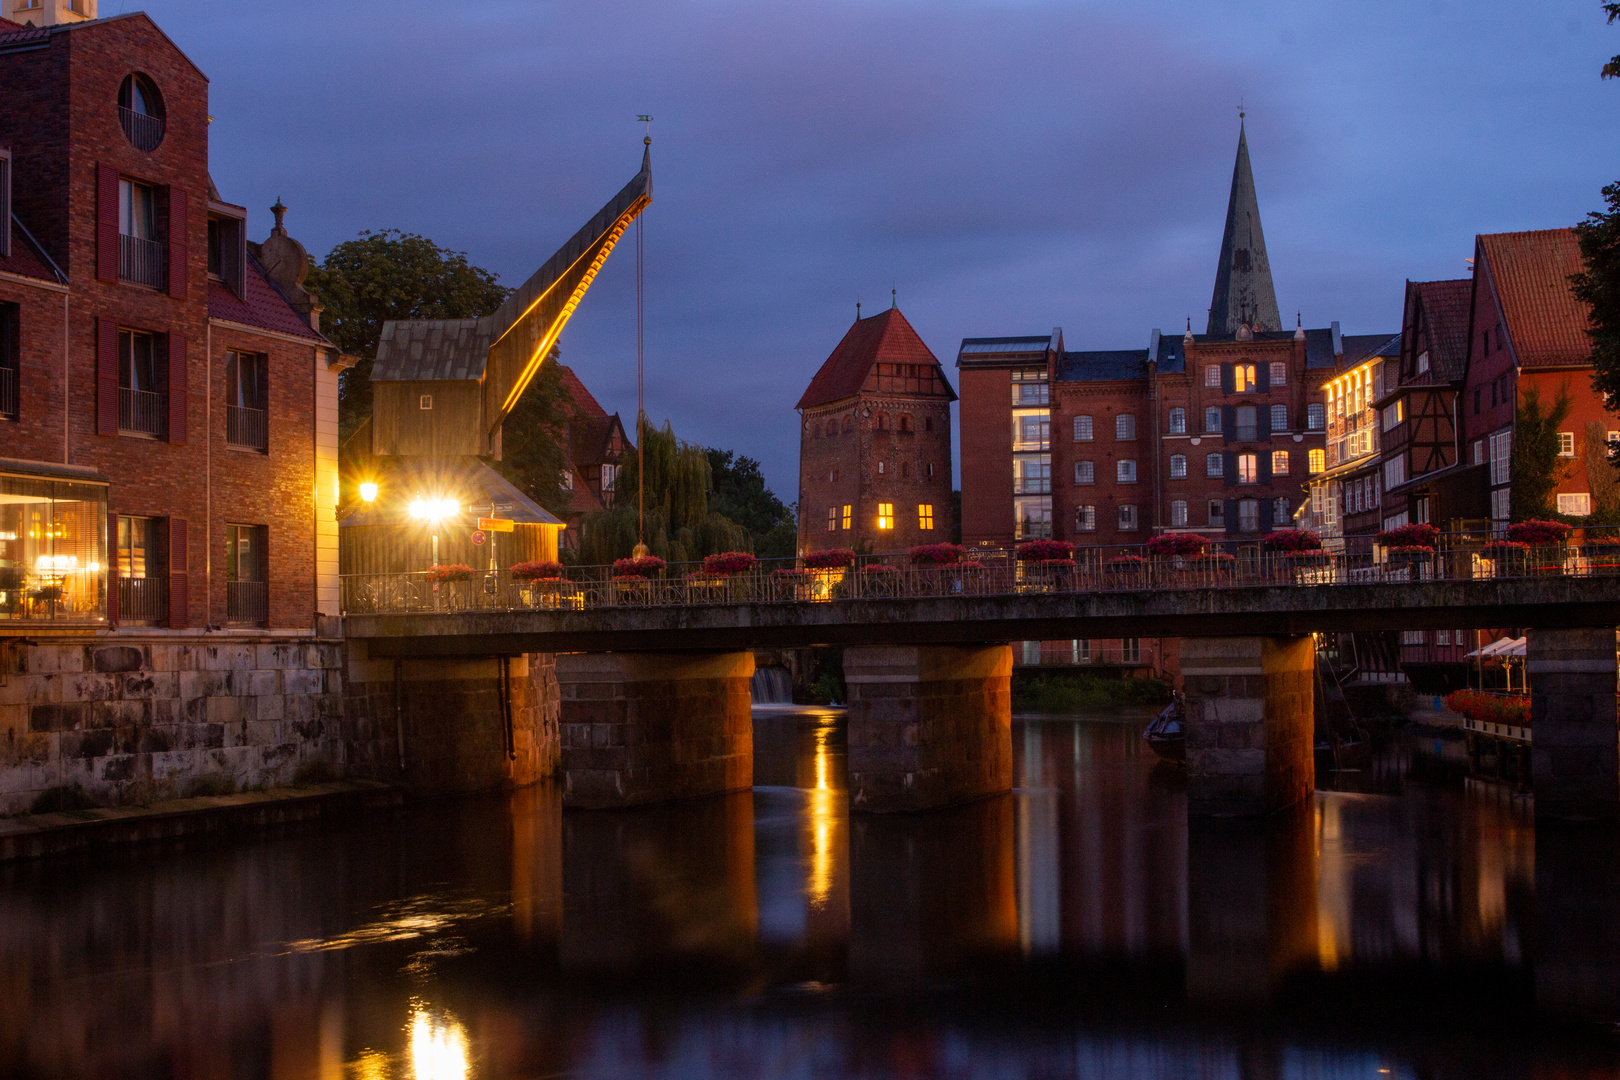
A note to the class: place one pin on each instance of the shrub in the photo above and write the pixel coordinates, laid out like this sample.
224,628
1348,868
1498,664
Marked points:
1490,708
1539,533
1045,551
1176,544
644,566
936,554
449,572
1410,536
537,571
1293,540
830,559
729,562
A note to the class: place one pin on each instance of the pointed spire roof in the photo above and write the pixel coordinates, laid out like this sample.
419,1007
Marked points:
883,338
1243,289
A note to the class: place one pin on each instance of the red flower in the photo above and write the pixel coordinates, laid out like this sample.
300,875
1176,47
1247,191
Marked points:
537,571
1045,551
1176,544
729,562
449,572
830,559
1538,532
645,566
1293,540
1410,536
936,554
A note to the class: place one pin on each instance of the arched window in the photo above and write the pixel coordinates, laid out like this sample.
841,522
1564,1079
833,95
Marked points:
846,425
928,423
880,422
905,422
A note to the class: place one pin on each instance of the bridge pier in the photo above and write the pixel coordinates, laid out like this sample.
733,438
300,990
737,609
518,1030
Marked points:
929,725
1250,720
1575,748
641,728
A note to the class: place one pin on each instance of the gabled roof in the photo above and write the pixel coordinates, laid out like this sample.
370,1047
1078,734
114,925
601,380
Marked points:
33,37
588,438
1360,348
28,259
1243,288
1545,323
584,403
431,350
1101,366
262,304
1446,307
885,338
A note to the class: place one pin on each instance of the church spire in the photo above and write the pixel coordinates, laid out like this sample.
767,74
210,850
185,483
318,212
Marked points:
1243,291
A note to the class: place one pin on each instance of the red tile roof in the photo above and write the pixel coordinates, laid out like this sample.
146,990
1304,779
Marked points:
25,259
1545,323
264,306
1445,311
884,338
584,403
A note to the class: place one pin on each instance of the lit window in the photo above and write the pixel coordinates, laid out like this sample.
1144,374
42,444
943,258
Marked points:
1125,426
1085,472
1217,514
1248,469
1085,519
885,515
1212,375
1394,414
1178,421
849,517
1279,418
1566,444
1575,505
1178,466
1248,515
1125,472
1178,512
1082,429
1212,418
1279,373
1127,517
1243,380
1317,460
925,515
1316,416
1279,463
1214,465
832,518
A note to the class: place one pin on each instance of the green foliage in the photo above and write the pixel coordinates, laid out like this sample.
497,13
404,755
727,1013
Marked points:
385,275
1536,467
532,453
1611,70
677,481
1065,693
611,534
737,491
1602,476
1599,286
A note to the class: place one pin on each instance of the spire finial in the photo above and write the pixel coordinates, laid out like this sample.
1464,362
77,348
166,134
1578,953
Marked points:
645,118
1242,112
279,210
857,309
894,298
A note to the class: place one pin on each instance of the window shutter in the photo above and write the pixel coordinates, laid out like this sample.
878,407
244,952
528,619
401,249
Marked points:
5,204
106,223
1229,462
1265,515
177,388
1262,422
1263,460
178,248
178,615
1262,376
1231,516
112,568
237,259
106,377
1228,379
1229,423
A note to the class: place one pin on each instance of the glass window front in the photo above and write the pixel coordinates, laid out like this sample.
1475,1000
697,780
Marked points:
885,518
53,550
1178,421
1031,429
1212,418
1178,466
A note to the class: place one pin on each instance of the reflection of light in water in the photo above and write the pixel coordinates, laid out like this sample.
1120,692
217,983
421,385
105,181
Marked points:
370,1065
1333,884
438,1046
416,917
821,824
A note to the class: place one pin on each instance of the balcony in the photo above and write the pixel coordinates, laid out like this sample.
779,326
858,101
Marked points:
247,603
143,600
142,412
250,428
145,262
144,132
1032,485
8,393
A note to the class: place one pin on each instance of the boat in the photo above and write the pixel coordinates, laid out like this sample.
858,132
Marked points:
1167,734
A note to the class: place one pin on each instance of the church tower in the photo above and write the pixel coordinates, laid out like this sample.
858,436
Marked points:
1244,295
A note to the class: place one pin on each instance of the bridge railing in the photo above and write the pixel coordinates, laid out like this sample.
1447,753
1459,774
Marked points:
1459,557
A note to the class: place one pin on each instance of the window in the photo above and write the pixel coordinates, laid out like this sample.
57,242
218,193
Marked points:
1501,454
1125,472
832,475
1281,513
143,400
1032,474
880,468
1566,444
1085,472
1248,469
1247,417
140,111
1479,452
1394,414
1178,466
1395,471
1031,429
1441,637
1178,512
1243,380
1178,421
905,470
1085,519
567,480
1574,505
849,517
1315,416
1212,419
1125,427
1316,460
1279,373
1082,429
1248,515
925,516
1279,418
1214,465
141,258
247,419
848,423
1500,504
1423,511
425,402
1217,514
1279,463
1411,637
247,591
885,517
1032,516
1212,375
930,470
610,477
832,519
1127,517
143,566
928,425
10,397
1029,388
905,424
1423,362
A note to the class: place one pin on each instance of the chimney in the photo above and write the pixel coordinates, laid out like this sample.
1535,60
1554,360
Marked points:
54,12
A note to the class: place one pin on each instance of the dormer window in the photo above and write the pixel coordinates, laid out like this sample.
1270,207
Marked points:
140,111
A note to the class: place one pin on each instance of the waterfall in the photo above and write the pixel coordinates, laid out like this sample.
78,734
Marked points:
771,686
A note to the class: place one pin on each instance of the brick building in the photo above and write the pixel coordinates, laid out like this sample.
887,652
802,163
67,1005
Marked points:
875,443
594,444
193,394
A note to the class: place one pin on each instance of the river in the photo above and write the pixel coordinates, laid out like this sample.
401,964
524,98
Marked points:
1406,924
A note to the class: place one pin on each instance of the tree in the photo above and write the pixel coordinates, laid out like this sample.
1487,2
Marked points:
737,491
385,275
1535,466
532,454
1611,70
1599,286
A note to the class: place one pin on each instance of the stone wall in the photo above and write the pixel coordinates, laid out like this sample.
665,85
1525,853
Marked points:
131,716
1575,758
1250,721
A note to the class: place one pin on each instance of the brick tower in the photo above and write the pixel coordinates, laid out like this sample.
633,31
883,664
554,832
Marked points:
875,443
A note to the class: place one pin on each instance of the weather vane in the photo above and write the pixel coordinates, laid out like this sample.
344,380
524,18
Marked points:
645,118
1241,112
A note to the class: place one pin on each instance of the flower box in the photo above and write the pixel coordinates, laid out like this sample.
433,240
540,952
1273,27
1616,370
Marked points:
1293,541
1490,708
1045,551
727,563
1410,536
1538,533
1127,564
644,566
537,571
830,559
936,554
1181,545
443,572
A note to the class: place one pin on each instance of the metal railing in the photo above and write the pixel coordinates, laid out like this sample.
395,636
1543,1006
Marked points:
9,403
143,412
247,602
247,427
143,600
987,573
143,131
145,262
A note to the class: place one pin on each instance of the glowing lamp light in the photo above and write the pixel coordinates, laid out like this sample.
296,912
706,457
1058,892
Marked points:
56,564
368,492
434,509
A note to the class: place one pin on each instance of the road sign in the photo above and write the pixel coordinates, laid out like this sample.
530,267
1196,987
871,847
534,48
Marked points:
478,539
496,524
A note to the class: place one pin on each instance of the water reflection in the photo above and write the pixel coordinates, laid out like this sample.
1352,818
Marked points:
1079,926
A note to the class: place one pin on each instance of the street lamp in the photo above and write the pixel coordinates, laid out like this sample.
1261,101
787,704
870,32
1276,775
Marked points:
434,511
368,492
